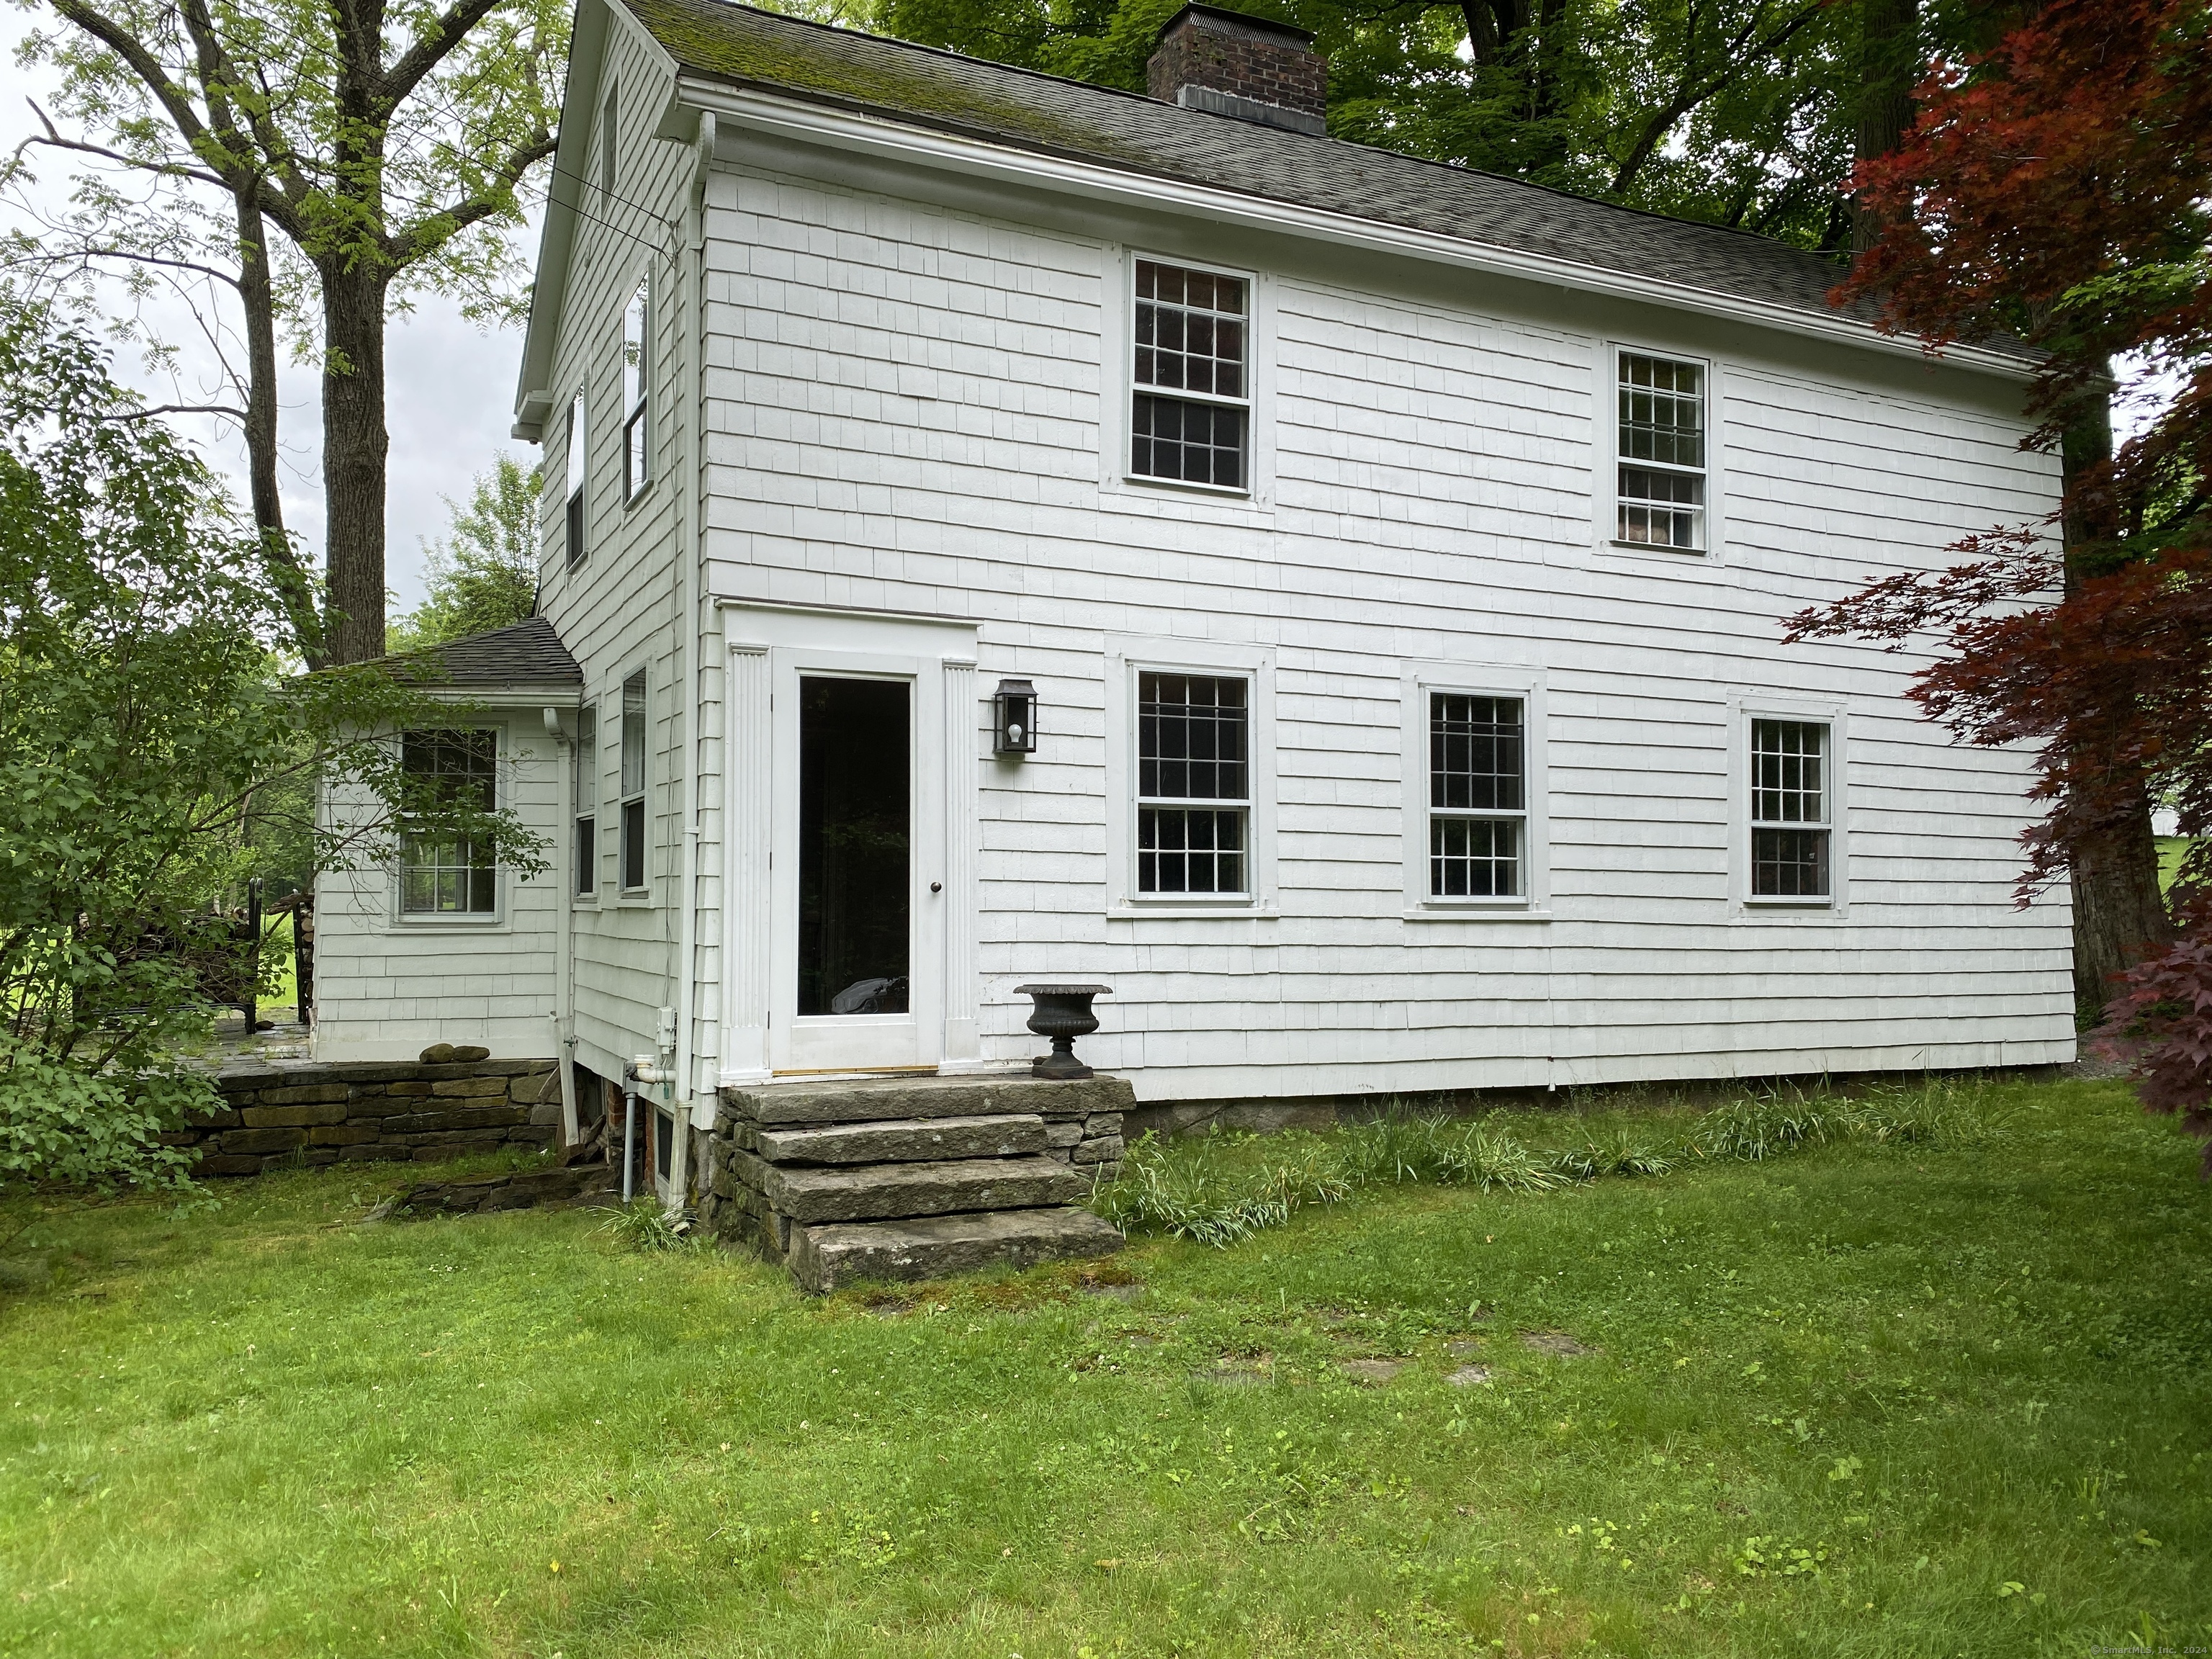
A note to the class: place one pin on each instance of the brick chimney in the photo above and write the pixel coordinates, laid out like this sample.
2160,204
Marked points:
1248,67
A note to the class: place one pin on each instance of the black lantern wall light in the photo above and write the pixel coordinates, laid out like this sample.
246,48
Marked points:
1013,718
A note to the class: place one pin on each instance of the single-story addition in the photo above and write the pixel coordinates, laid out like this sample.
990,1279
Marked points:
1001,529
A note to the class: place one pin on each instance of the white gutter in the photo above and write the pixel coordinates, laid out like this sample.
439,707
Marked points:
796,121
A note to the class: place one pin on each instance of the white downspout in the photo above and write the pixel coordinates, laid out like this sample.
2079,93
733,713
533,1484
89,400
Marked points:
563,1012
693,255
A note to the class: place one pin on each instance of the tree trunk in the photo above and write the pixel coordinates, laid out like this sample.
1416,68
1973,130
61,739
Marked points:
356,449
2119,913
257,296
1890,66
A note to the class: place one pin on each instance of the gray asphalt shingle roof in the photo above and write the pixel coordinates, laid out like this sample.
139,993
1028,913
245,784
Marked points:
527,652
922,86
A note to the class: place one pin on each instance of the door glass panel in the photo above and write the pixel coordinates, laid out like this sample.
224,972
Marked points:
854,837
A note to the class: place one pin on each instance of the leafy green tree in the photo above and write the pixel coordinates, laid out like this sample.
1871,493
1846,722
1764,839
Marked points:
148,742
483,574
324,162
1742,112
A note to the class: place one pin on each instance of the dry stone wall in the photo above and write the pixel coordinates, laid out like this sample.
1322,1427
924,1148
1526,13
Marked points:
287,1115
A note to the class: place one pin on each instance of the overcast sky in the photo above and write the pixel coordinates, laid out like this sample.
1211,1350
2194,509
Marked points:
450,386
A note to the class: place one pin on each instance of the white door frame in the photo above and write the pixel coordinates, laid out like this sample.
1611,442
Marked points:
769,648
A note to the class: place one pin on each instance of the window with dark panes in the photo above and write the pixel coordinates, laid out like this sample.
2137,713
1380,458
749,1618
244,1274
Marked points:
1478,796
636,380
583,800
1190,410
443,874
1661,500
1790,807
573,508
633,783
1194,783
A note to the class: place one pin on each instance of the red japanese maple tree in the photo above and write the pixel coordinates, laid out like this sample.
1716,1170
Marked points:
2056,189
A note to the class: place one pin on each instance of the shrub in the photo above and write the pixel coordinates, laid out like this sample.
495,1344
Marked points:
2162,1021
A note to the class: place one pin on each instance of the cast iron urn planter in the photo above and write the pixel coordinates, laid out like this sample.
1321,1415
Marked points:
1062,1013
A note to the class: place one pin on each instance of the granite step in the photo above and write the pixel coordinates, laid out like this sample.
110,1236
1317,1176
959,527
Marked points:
831,1256
908,1140
874,1192
870,1100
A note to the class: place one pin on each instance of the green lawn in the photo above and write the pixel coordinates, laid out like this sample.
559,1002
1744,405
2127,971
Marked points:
1861,1400
2170,849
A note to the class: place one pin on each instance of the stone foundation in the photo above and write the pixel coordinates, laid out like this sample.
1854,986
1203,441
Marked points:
288,1115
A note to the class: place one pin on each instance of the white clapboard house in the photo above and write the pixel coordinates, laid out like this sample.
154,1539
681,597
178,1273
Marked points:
999,529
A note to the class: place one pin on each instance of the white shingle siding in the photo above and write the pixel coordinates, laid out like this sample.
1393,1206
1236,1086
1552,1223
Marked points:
919,409
386,986
1435,467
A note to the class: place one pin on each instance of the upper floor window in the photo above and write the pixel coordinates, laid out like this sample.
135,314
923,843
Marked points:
636,380
573,517
447,875
1191,403
583,800
633,783
1661,492
1194,783
1478,796
1791,791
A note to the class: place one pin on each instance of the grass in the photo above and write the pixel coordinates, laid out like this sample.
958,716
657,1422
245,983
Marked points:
1905,1397
2170,851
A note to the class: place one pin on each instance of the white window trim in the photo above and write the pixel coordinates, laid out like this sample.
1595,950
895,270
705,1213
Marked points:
1418,681
576,492
495,920
1126,657
1118,372
1605,498
643,893
642,410
586,771
1743,707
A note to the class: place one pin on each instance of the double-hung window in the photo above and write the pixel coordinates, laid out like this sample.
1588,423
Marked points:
1478,796
633,783
443,874
572,519
635,383
584,801
1190,405
1660,500
1193,784
1791,792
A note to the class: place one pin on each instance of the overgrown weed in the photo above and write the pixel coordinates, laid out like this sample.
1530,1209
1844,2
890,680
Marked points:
1219,1189
647,1224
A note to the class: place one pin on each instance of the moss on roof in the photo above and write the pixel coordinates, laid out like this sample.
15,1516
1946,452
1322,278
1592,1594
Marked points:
702,36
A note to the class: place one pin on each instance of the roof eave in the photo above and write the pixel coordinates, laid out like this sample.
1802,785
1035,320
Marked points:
534,397
559,694
790,117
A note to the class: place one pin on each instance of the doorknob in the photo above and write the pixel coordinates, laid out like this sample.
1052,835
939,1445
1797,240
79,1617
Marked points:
937,887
